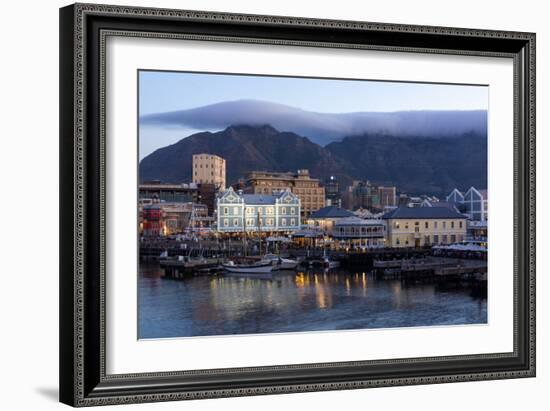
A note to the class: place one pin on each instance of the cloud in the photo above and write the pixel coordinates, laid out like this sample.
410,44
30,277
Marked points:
323,128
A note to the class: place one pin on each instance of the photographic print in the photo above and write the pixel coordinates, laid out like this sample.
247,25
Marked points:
273,204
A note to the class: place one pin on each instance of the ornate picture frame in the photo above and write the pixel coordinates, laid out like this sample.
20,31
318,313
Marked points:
84,29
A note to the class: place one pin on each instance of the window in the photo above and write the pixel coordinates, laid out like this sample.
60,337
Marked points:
397,224
452,224
225,210
435,224
292,221
292,211
397,241
249,210
226,222
235,222
269,210
444,224
460,224
426,225
283,210
235,210
436,239
283,221
453,238
269,221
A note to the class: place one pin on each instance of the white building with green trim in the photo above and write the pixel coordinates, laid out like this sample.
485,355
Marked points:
260,213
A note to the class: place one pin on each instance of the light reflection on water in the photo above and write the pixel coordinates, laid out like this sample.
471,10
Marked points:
294,301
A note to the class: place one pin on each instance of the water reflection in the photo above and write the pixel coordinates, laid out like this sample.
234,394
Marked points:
293,301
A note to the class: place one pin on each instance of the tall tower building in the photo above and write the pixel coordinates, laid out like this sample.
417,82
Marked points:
209,169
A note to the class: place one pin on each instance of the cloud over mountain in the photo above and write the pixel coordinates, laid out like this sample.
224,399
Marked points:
324,128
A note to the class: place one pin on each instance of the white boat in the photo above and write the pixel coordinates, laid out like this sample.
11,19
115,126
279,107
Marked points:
282,263
260,267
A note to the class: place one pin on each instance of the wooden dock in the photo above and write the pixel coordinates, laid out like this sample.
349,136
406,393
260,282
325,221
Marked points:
180,269
436,269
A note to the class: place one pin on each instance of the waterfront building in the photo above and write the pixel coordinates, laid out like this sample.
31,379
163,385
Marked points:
308,189
477,230
156,191
424,226
332,192
207,196
163,219
237,212
455,197
363,194
324,219
209,169
473,202
355,232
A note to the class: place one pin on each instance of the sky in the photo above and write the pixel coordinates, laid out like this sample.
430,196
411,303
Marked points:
170,91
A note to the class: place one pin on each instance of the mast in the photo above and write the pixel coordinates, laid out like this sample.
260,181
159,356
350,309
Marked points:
260,231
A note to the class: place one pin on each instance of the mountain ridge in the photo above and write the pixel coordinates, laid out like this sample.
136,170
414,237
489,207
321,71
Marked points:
414,165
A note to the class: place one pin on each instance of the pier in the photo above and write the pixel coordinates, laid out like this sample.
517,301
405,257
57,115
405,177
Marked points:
438,269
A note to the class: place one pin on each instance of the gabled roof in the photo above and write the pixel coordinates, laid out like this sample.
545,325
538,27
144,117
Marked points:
331,212
422,213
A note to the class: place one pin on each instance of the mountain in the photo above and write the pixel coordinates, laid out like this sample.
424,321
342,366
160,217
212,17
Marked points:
414,165
323,128
245,148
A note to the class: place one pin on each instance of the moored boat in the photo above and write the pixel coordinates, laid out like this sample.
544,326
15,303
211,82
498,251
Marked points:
282,263
260,267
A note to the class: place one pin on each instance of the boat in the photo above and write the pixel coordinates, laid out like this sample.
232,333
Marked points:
282,263
260,267
324,262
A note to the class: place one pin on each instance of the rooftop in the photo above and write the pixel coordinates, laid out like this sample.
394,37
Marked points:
355,221
259,199
422,213
331,212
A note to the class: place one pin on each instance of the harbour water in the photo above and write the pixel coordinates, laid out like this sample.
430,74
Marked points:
291,301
